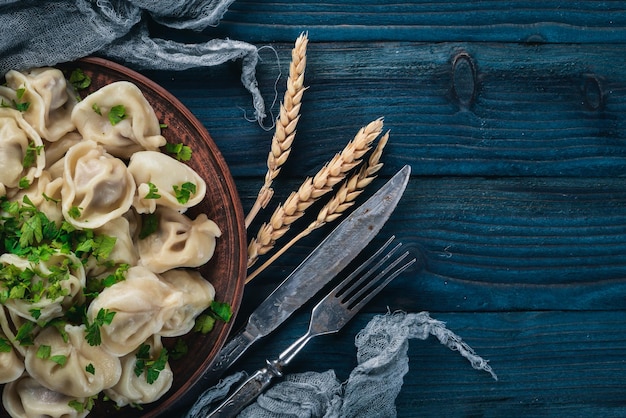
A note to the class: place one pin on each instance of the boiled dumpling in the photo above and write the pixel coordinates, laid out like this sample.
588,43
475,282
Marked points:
133,389
123,252
27,398
11,364
142,304
87,370
97,186
17,140
136,129
178,241
45,194
57,296
50,100
198,294
167,175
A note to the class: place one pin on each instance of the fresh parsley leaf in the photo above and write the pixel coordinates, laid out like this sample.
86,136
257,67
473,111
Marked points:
24,183
118,276
5,345
43,352
222,309
102,246
79,79
19,93
103,317
50,199
35,313
149,225
117,114
151,367
181,152
30,156
96,109
204,323
179,350
59,359
76,405
74,212
90,368
162,125
184,192
25,333
153,193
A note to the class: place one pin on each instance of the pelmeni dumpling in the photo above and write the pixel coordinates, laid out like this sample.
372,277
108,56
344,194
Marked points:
11,364
123,252
96,185
17,140
27,398
133,389
87,370
60,293
45,194
168,175
198,294
50,100
142,304
178,242
138,129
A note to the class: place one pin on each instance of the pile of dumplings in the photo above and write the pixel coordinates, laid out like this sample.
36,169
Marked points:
107,170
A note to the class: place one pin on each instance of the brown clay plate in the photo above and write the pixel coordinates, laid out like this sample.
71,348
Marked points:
226,270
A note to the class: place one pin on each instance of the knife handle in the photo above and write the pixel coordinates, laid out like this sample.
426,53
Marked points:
247,392
233,349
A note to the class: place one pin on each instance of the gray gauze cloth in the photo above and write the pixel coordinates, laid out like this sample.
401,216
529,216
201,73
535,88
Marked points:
372,387
38,33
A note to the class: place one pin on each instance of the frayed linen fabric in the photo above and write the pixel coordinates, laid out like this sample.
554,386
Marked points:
37,33
372,387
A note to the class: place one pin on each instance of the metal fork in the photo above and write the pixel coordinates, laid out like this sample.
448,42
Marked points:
327,317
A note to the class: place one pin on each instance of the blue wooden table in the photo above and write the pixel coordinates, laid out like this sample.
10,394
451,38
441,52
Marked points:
512,115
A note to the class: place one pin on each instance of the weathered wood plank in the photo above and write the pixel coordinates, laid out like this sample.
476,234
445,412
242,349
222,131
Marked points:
453,108
496,244
433,21
549,364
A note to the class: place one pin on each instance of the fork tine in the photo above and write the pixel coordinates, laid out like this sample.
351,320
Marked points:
373,292
342,287
351,287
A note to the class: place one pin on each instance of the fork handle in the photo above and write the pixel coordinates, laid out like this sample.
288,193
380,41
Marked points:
248,391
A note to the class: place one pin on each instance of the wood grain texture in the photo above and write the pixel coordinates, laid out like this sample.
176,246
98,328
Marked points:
499,110
433,21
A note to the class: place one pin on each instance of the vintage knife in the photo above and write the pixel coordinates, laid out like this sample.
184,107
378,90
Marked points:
327,260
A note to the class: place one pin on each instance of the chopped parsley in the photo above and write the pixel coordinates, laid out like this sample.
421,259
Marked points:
153,192
24,183
30,156
96,109
80,407
184,192
117,114
5,345
149,225
59,359
218,310
90,368
79,80
181,152
151,367
43,352
103,317
179,350
74,212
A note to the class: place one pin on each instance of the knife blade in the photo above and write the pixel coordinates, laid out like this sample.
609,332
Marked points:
327,260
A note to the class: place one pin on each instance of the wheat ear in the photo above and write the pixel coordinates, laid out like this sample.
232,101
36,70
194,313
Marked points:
312,189
286,123
341,201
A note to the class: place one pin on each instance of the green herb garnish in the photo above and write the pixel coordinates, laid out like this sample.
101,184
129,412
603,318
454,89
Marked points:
152,367
117,114
153,192
79,80
184,192
181,152
103,317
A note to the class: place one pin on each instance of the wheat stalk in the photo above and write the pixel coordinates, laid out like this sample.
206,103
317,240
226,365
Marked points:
312,189
286,123
340,202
